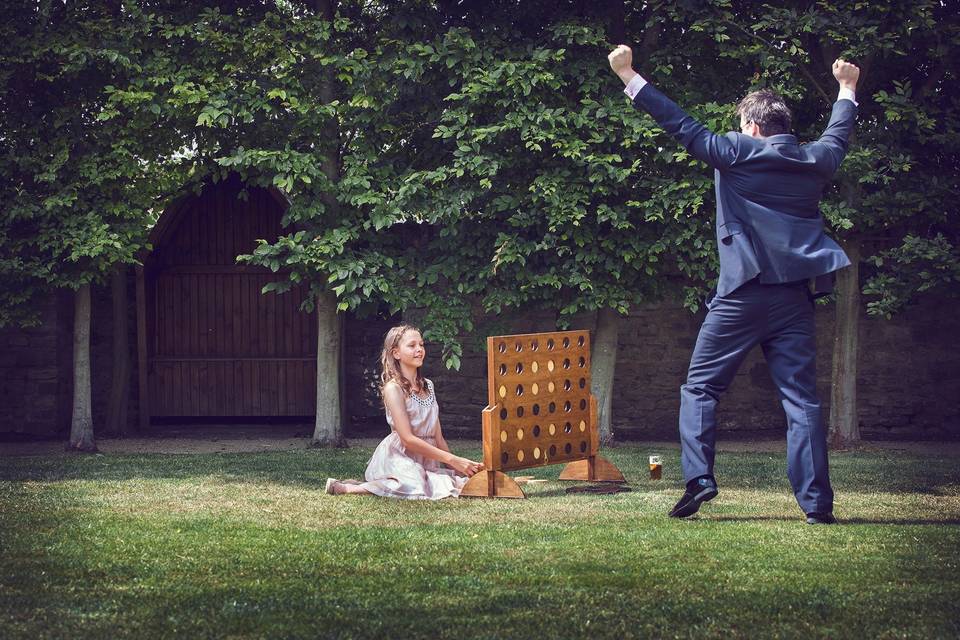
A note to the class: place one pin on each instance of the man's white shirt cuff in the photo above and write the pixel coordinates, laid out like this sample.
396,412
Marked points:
633,87
845,94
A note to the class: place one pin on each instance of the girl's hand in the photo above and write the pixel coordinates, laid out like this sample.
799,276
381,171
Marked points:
464,466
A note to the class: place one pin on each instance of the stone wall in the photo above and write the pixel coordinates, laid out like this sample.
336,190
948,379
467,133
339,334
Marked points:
909,377
909,373
31,381
36,377
101,352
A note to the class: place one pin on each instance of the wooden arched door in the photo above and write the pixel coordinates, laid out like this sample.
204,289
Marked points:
211,343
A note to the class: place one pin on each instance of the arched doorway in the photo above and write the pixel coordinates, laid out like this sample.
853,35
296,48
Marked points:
210,344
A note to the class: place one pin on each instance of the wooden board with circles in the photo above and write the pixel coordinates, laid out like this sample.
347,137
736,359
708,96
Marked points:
540,386
540,410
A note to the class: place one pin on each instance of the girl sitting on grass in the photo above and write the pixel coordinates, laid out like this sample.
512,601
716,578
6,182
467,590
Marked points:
407,463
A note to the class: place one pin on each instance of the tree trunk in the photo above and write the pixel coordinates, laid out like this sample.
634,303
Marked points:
120,384
603,362
615,12
844,422
327,430
81,422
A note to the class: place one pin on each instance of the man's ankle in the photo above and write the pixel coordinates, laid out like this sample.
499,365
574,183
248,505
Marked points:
700,482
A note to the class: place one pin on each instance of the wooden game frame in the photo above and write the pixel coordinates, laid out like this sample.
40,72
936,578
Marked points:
539,411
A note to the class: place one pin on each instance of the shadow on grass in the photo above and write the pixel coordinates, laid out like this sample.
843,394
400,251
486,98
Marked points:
565,491
948,522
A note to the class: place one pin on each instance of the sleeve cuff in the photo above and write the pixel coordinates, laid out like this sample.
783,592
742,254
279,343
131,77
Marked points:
633,87
845,94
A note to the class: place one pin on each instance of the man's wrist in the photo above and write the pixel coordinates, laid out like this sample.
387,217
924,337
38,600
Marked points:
848,86
634,85
626,75
845,93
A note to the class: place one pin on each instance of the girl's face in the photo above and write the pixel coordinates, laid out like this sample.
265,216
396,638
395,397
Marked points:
410,351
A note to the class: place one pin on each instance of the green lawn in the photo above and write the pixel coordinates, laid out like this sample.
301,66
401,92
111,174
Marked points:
248,546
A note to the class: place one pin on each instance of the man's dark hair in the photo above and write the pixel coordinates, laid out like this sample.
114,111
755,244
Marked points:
768,110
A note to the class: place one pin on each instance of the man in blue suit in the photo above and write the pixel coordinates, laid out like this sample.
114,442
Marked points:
771,242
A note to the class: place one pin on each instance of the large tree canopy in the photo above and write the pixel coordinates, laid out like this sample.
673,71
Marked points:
464,158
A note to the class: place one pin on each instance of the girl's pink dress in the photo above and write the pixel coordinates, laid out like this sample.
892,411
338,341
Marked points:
395,472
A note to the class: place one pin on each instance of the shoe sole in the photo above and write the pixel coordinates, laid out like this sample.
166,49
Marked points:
693,506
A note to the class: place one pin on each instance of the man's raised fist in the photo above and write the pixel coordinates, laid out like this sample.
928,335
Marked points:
621,59
846,74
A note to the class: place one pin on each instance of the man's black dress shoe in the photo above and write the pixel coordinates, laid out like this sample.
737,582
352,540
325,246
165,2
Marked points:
817,517
698,491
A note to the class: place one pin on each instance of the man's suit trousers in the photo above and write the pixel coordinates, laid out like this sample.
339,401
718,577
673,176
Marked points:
778,317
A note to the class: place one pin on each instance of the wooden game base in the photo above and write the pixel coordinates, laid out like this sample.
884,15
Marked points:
603,471
502,486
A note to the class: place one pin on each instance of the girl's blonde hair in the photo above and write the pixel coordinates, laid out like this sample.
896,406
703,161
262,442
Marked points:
391,366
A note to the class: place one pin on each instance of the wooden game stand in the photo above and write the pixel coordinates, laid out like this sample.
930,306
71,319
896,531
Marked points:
540,412
497,484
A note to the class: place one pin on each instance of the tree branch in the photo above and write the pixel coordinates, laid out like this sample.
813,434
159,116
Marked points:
803,69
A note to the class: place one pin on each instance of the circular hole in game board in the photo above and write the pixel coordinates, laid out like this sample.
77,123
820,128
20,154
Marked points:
583,446
518,346
580,341
566,363
552,407
503,435
534,388
567,428
583,383
553,450
534,345
519,412
502,347
552,429
503,413
519,367
550,365
536,409
567,406
504,457
550,344
534,366
566,342
583,404
581,362
536,453
551,387
503,369
536,431
567,448
519,434
520,455
566,385
519,389
583,426
502,391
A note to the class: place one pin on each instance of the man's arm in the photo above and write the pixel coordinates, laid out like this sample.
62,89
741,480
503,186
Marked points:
837,134
717,151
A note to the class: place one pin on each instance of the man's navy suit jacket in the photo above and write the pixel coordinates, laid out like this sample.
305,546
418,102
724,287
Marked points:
768,194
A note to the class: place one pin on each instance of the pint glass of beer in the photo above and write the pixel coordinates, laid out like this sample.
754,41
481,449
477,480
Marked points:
656,468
